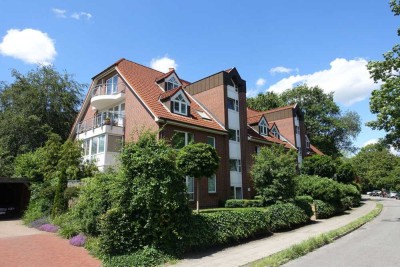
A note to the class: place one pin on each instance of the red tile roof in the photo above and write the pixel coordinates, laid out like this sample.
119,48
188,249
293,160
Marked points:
142,80
169,93
253,134
316,150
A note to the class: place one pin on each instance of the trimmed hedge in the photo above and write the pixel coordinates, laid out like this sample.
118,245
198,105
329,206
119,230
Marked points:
324,210
147,256
287,215
243,203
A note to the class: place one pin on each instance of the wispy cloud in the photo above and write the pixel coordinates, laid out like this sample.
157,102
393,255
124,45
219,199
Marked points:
29,45
260,82
62,13
348,79
83,15
59,12
280,69
163,64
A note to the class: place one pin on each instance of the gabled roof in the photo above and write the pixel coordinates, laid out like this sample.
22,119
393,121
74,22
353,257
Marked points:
256,119
170,93
268,138
141,80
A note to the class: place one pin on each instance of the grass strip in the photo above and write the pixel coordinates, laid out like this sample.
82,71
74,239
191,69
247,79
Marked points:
313,243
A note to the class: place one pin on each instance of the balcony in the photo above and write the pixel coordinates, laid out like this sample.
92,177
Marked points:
104,123
106,95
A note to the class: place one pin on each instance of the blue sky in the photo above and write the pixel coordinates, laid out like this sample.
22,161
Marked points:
273,44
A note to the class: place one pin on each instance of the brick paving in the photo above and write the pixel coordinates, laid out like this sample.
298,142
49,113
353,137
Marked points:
21,246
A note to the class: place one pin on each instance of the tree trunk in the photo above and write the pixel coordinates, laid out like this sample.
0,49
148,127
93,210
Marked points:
197,195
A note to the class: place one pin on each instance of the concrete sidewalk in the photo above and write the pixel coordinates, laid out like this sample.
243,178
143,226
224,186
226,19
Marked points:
254,250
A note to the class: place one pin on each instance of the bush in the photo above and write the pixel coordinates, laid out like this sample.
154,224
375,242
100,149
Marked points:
320,188
285,216
78,240
68,223
305,205
306,198
323,166
352,196
148,256
324,210
242,203
224,227
71,192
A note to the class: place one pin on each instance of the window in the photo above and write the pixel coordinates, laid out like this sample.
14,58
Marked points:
263,127
212,184
297,130
181,139
235,165
171,84
86,146
111,85
211,141
203,115
275,132
236,192
179,105
233,104
307,143
190,187
93,149
234,135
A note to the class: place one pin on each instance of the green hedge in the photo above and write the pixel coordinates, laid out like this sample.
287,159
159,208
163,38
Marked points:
147,256
242,203
286,215
324,210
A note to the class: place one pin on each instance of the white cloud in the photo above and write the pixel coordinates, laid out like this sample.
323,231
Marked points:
59,12
260,82
163,64
280,69
348,79
371,141
29,45
79,15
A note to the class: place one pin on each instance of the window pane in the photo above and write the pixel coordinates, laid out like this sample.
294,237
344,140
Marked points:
183,108
238,192
211,141
212,184
190,187
178,140
101,143
232,165
232,135
231,103
94,146
190,138
176,107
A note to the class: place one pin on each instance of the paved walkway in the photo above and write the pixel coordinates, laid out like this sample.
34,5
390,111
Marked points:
21,246
254,250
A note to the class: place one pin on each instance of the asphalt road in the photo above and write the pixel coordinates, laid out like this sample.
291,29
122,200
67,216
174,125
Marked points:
377,243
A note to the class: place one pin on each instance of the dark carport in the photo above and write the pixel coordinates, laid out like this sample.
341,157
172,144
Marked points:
14,196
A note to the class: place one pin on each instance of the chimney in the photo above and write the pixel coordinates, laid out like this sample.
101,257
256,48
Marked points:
171,69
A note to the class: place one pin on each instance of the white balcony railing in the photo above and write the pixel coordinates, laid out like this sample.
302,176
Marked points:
108,89
105,118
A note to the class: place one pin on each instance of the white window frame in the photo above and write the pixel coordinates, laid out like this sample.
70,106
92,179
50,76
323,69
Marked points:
186,136
173,81
182,104
190,180
263,127
89,143
213,180
235,104
275,132
213,141
237,163
113,83
236,135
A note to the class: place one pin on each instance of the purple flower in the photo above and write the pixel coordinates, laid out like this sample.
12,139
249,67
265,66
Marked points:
48,228
78,240
39,222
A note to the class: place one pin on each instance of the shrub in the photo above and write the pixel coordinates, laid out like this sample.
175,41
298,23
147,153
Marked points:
273,172
71,192
69,224
39,222
319,188
224,227
78,240
285,216
345,173
323,166
148,256
324,210
149,207
242,203
305,205
352,196
305,198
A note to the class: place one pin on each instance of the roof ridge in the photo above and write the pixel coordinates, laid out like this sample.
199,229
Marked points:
142,65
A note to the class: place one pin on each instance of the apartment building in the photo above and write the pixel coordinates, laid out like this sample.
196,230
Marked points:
127,98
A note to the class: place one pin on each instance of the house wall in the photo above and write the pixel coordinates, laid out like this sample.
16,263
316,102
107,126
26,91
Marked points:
223,186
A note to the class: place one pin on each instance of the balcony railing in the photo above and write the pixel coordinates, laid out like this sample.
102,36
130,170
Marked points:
105,118
108,89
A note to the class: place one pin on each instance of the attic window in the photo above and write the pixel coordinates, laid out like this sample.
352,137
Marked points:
171,83
179,105
275,132
262,127
203,115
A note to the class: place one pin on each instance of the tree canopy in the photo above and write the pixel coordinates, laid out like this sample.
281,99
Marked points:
41,102
385,102
328,128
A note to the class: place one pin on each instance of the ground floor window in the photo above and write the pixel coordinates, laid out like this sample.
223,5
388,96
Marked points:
212,184
190,187
236,192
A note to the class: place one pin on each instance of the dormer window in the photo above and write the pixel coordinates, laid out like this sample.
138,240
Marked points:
171,83
180,104
263,127
275,132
